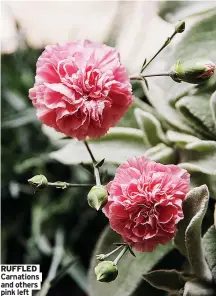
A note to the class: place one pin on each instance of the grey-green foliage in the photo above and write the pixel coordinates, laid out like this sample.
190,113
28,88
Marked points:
178,126
198,41
198,280
175,10
209,243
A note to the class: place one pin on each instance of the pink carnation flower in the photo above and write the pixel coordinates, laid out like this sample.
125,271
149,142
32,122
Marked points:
145,202
81,89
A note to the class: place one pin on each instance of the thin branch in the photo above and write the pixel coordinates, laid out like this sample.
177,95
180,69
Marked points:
94,162
141,77
64,185
90,152
63,271
162,47
120,255
56,260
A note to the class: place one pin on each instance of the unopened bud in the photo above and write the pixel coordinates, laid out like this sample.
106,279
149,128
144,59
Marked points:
38,182
193,71
180,27
106,271
97,197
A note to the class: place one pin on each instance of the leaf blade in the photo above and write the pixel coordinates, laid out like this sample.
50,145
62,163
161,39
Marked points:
130,268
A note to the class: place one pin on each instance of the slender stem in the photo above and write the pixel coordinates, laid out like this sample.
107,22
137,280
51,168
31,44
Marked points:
94,162
140,77
66,185
56,260
97,176
120,255
63,271
157,53
102,256
90,152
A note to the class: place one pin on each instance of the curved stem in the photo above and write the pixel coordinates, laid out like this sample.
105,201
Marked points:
94,162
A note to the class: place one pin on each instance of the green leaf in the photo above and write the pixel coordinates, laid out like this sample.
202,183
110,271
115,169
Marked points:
167,280
215,215
180,139
197,113
173,11
197,288
100,163
130,268
199,156
151,127
209,244
161,153
167,112
188,237
213,107
116,147
197,179
128,120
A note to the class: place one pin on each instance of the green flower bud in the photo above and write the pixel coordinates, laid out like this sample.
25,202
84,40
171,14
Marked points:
106,271
97,197
180,27
38,182
193,71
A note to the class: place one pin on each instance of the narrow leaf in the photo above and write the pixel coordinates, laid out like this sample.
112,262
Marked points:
131,251
130,268
180,139
189,231
213,107
197,288
151,127
167,280
197,113
146,83
143,65
117,146
199,156
90,169
161,153
209,244
100,163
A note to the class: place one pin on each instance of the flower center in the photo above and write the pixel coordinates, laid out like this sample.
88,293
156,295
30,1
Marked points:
89,83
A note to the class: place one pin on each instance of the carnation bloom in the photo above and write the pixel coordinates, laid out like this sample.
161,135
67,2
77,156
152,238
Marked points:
81,89
145,202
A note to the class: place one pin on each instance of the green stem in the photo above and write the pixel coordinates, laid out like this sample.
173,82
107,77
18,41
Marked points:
102,256
63,271
157,53
94,162
56,260
120,255
64,185
140,77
